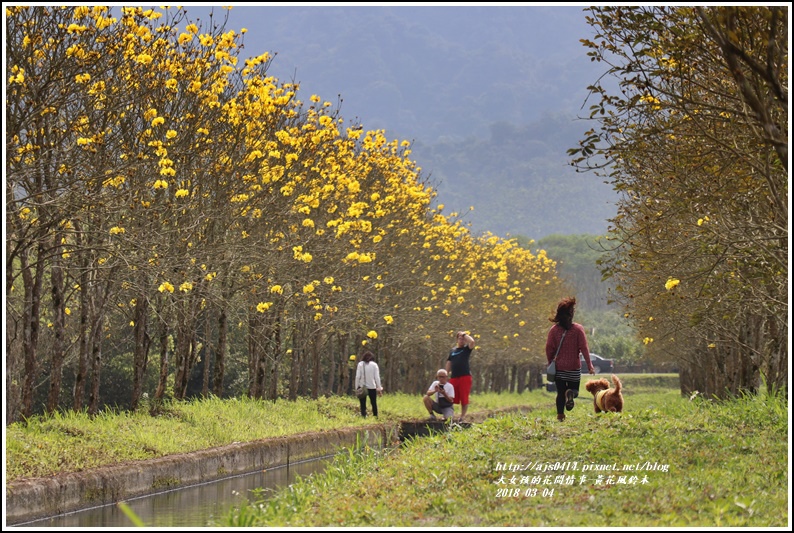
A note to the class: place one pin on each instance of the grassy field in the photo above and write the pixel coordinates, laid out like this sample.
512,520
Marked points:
665,461
72,442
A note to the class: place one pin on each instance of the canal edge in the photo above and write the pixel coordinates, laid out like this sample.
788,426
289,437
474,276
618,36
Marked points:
37,498
33,499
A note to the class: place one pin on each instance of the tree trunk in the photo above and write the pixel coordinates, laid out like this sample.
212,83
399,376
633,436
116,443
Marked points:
386,366
162,382
261,376
13,392
205,377
58,326
220,355
91,307
315,366
140,355
96,367
276,351
343,365
253,356
32,282
181,358
774,364
294,372
84,348
191,361
332,362
521,378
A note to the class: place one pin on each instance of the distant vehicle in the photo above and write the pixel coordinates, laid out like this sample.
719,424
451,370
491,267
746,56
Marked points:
599,364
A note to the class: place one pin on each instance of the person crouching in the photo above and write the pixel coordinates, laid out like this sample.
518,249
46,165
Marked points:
444,392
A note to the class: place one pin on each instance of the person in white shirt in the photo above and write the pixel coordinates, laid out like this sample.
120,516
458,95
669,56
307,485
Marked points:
368,375
444,396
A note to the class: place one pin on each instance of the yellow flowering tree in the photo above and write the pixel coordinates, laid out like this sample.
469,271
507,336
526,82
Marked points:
180,201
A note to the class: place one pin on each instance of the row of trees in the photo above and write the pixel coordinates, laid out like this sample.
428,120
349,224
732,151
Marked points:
695,138
170,208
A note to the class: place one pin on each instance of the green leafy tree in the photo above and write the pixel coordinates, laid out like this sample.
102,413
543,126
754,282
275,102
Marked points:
694,140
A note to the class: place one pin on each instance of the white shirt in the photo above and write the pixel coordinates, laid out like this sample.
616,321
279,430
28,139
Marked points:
448,388
368,374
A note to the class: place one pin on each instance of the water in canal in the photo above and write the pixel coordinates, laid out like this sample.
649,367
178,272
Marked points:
192,506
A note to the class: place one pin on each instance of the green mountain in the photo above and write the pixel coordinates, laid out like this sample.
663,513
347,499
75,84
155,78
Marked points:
518,180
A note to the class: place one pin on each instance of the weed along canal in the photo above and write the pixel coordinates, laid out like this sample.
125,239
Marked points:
194,489
182,489
192,506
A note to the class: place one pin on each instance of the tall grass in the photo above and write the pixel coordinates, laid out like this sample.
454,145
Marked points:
71,442
717,464
727,460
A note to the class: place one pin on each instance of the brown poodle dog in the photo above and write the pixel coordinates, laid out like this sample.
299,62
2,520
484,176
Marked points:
604,398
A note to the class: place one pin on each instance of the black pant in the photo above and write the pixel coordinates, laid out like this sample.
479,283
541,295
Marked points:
373,399
563,386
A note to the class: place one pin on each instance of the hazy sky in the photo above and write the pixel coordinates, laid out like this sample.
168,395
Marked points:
388,61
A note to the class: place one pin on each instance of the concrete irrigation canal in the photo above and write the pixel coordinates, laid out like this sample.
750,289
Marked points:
183,481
